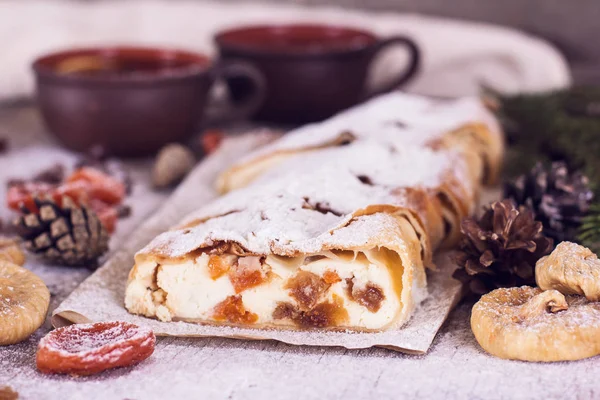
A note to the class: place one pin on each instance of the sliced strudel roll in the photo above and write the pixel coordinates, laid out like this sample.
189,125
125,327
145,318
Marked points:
398,120
316,251
442,178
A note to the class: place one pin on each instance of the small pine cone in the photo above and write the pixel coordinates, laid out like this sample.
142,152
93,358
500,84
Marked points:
64,234
501,248
559,199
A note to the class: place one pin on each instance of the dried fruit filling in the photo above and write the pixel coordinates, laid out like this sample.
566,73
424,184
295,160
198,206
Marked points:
370,296
247,273
323,315
217,267
331,277
306,288
232,310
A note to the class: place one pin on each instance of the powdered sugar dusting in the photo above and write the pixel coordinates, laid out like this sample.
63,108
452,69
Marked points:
504,304
298,204
296,214
398,119
580,314
86,338
405,166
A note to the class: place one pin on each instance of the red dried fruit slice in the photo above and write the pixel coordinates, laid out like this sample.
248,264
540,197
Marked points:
108,215
87,349
211,140
22,194
85,186
78,191
101,186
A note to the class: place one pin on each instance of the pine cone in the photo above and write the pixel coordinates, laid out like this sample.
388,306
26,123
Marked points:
558,198
501,248
65,234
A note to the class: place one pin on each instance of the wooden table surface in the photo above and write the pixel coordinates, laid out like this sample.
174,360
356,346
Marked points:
454,368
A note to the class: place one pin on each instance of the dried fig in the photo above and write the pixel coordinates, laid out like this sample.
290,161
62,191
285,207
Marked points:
529,324
570,269
24,301
10,251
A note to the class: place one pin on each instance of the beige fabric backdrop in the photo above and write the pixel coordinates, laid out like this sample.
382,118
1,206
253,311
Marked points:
571,25
457,56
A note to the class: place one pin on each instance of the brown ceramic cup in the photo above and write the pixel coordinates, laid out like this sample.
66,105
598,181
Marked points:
133,100
311,71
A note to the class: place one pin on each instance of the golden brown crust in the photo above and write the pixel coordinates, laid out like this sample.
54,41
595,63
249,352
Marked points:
476,139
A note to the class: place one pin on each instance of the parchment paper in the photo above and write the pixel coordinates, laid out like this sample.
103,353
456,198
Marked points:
100,297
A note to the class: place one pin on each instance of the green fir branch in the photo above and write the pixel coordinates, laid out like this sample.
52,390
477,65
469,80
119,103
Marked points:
562,125
589,231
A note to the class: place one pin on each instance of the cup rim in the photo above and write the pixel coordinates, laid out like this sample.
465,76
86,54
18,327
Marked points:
224,41
199,64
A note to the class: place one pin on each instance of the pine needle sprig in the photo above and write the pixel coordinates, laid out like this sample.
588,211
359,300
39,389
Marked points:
589,231
561,125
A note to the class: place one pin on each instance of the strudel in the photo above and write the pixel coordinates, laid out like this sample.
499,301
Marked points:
443,178
398,120
340,245
331,227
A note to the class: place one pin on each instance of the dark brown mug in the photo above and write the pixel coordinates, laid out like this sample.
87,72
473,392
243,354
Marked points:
133,100
311,71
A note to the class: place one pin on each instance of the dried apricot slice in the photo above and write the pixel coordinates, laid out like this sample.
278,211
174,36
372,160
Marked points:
87,349
99,185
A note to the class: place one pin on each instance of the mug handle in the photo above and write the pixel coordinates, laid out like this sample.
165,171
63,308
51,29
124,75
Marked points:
244,73
411,69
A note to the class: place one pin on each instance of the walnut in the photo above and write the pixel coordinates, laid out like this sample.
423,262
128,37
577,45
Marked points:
172,164
529,324
570,269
